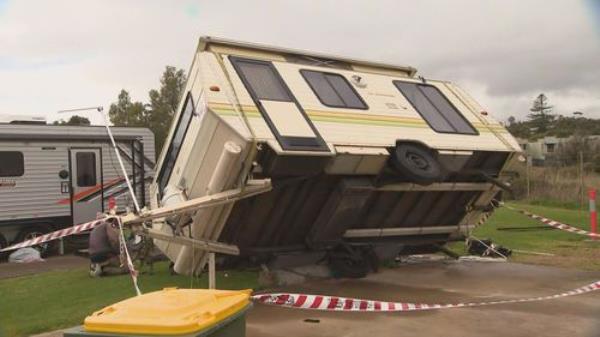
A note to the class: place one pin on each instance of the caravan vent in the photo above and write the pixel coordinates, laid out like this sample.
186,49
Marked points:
317,61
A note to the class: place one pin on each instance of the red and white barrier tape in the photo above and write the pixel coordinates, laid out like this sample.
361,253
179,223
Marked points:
55,235
334,303
125,255
555,224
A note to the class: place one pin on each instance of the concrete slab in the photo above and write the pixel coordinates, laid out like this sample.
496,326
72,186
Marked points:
445,282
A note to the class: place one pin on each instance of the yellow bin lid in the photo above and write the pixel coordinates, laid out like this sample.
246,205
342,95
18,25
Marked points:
169,311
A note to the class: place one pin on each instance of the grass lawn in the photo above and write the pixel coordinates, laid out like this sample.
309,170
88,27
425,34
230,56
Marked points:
54,300
570,250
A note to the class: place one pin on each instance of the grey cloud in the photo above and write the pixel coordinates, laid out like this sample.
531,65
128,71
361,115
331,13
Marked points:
504,51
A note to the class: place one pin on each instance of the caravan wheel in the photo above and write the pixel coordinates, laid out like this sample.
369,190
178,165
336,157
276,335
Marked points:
31,232
417,162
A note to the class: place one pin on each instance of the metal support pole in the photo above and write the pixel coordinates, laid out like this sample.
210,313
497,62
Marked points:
527,169
61,247
593,214
581,182
212,279
114,144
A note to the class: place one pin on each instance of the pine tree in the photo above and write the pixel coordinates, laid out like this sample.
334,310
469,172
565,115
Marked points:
540,116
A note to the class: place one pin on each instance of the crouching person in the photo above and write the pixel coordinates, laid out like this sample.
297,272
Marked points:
104,250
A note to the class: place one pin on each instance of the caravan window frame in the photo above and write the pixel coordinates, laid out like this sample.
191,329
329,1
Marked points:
364,106
419,86
20,167
239,63
291,143
168,163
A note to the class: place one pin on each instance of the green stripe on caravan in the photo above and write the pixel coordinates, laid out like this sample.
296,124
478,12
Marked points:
339,117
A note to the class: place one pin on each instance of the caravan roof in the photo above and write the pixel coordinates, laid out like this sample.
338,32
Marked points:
207,41
22,119
44,131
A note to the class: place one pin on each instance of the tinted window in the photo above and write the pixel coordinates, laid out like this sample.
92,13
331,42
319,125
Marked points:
175,144
437,111
86,169
263,81
333,90
11,164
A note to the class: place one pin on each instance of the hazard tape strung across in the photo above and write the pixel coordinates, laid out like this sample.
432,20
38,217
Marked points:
125,255
334,303
55,235
555,224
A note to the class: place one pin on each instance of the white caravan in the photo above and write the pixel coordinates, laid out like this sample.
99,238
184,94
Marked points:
360,155
57,176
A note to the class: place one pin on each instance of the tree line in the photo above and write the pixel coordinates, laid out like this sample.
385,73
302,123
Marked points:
158,112
155,114
580,147
541,123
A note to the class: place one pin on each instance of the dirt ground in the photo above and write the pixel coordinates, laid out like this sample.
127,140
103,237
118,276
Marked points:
443,282
53,263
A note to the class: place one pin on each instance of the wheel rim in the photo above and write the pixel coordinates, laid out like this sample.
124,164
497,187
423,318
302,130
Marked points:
417,161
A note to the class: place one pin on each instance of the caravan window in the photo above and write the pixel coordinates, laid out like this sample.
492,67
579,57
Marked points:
86,169
437,111
263,81
11,164
175,145
333,90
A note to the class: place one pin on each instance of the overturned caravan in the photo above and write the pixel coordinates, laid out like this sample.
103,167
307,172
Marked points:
323,155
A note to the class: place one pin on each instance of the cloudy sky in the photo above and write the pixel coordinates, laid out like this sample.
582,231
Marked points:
63,54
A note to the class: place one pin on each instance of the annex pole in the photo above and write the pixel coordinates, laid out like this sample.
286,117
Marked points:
114,144
593,213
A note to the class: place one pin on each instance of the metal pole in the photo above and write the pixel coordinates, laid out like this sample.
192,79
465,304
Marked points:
212,280
593,214
61,247
581,187
112,139
527,164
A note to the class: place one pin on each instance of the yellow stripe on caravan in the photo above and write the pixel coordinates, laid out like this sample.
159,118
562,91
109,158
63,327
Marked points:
251,111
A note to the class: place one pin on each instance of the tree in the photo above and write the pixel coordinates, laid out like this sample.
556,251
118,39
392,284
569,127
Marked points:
164,103
158,114
512,120
74,120
127,113
540,116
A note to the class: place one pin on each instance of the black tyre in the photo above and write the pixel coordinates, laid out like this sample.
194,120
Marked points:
46,248
372,259
346,267
417,163
3,244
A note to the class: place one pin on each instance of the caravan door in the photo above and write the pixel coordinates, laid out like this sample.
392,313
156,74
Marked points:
278,106
86,184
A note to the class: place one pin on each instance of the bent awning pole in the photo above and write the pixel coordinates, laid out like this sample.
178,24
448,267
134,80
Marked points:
252,188
207,245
